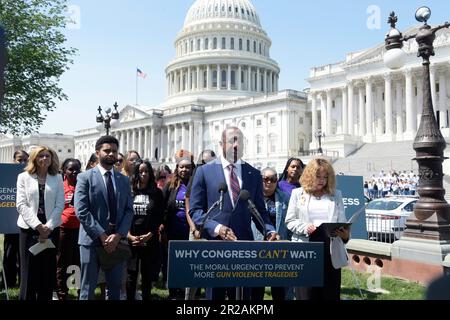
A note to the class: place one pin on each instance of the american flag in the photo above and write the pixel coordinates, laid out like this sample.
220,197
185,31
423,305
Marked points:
140,73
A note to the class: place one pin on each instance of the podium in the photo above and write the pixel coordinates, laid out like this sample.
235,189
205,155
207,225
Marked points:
225,264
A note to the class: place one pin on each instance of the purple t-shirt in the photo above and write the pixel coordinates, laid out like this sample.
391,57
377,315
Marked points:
179,224
287,187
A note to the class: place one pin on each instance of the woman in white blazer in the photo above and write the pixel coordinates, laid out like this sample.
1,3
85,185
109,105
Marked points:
40,202
317,202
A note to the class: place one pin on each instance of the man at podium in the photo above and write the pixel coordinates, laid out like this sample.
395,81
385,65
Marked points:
311,208
224,181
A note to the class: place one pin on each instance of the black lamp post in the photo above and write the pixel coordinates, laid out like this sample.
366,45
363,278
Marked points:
107,119
431,218
319,135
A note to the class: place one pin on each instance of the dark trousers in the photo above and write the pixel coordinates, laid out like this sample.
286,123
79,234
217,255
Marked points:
331,289
278,293
11,260
68,255
37,273
141,260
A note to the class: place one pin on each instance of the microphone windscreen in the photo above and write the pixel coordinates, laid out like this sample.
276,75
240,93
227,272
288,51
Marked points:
223,187
244,195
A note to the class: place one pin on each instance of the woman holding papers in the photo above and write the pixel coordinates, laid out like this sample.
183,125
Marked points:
315,203
40,202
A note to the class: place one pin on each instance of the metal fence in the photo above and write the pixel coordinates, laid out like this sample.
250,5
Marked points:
385,227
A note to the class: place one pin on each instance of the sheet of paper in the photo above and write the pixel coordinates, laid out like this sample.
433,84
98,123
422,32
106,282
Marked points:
39,247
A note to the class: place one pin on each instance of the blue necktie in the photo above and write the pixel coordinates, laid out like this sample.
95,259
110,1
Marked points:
112,204
234,183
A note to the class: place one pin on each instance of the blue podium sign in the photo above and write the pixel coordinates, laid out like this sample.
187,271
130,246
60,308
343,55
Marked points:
8,211
244,264
353,196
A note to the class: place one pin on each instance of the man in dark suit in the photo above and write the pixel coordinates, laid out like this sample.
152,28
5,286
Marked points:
104,205
233,222
439,289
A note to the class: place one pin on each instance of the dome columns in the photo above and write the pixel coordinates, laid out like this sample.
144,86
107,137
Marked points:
222,77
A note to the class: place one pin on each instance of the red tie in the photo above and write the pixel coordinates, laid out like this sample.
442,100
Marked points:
234,183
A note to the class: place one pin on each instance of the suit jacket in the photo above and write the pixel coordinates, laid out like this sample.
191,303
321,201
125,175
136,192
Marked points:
281,205
298,219
91,206
27,201
205,191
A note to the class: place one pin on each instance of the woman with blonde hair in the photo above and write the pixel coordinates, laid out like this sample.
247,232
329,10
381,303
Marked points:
317,202
40,202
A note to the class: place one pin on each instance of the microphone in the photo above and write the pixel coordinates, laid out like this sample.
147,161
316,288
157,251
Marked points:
219,203
222,190
245,196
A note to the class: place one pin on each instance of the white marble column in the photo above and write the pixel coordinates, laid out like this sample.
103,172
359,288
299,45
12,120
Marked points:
378,110
199,137
329,123
249,79
399,110
199,81
419,99
410,113
208,77
362,112
229,77
323,112
191,137
265,82
183,137
443,98
239,78
258,80
122,141
369,108
345,110
169,143
189,80
147,147
128,141
140,142
152,146
219,77
388,103
314,112
433,87
351,118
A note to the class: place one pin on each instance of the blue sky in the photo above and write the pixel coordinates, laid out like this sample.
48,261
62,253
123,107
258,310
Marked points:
113,37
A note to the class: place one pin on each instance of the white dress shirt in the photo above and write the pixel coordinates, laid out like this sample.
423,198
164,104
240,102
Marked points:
103,172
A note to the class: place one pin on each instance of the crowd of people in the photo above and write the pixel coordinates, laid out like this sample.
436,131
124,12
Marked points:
122,207
389,184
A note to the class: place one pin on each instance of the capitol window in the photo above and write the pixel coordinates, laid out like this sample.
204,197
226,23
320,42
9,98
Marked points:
232,43
273,121
240,44
259,143
248,45
198,44
254,46
206,44
224,42
258,122
214,43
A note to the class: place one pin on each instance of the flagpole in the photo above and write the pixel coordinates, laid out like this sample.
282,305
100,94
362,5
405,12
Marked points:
136,86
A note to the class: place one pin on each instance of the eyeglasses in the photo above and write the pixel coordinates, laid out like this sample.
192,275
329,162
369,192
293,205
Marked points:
119,161
270,179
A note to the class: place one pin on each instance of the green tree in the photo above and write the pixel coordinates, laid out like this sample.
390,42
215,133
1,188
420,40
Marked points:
36,58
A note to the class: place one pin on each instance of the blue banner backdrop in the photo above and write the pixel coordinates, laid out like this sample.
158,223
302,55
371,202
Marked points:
353,195
244,264
8,212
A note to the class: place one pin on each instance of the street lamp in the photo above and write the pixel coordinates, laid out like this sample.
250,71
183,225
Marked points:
319,135
431,218
107,119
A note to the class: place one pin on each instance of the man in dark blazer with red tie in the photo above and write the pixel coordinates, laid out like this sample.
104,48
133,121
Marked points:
233,222
104,206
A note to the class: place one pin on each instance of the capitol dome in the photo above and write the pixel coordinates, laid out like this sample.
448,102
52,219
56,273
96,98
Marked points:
222,54
204,10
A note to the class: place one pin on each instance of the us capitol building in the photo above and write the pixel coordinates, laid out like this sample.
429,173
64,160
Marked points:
223,75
